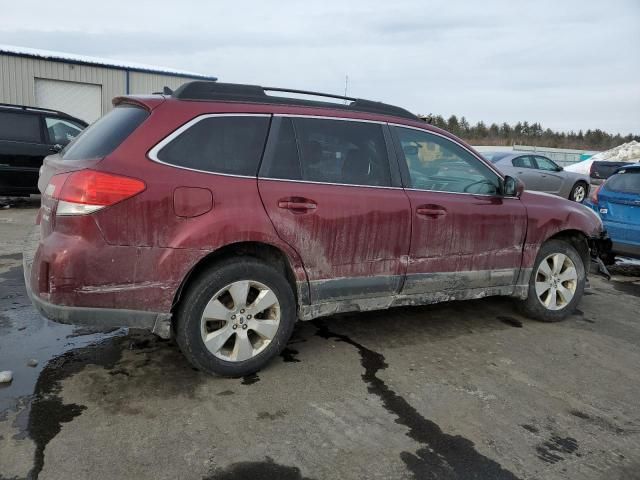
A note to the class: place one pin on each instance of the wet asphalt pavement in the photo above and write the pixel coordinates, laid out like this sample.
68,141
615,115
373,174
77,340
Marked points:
466,390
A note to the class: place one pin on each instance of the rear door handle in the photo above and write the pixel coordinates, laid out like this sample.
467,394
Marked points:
432,211
299,205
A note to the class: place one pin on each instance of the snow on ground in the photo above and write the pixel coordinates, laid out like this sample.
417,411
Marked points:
627,152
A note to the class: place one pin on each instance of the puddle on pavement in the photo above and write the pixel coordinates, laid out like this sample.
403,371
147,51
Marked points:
25,335
267,469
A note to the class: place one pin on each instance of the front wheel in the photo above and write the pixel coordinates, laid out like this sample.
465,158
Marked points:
556,284
235,317
578,192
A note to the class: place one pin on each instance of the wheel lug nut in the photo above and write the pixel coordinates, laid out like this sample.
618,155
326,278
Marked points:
248,317
242,311
233,317
235,326
244,326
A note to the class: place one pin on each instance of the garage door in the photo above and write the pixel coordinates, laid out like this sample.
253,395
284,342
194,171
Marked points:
82,100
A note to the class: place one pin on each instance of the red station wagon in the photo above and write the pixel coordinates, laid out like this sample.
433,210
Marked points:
221,214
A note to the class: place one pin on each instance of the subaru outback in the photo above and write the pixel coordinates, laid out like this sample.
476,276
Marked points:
221,214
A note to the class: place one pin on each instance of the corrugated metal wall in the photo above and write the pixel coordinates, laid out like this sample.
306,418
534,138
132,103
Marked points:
17,79
145,83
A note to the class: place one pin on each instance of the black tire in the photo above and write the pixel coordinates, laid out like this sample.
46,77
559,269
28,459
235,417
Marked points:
204,287
533,306
580,188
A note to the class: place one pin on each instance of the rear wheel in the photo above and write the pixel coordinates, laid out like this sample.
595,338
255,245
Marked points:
235,317
556,284
578,192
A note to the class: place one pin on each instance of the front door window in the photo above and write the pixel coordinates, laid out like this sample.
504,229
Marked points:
437,164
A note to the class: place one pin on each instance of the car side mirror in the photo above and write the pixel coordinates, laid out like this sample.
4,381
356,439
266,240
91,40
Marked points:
55,148
559,169
512,187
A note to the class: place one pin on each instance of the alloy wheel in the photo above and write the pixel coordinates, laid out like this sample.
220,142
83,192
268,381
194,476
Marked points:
556,281
240,320
579,193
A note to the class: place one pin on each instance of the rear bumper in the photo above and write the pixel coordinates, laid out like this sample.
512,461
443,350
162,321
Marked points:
158,322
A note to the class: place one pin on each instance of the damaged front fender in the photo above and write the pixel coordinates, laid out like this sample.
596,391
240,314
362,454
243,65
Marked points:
600,249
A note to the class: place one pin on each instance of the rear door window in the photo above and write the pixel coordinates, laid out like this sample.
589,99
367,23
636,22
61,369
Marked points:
20,127
61,131
106,134
330,151
219,144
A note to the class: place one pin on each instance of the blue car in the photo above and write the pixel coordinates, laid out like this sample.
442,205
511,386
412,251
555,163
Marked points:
618,203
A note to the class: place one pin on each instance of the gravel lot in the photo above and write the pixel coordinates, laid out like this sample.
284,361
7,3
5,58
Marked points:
464,390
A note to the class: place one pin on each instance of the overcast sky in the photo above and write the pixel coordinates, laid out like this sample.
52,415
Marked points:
567,64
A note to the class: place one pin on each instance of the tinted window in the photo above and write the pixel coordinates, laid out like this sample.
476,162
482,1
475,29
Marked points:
626,182
61,131
337,151
438,164
524,162
106,134
219,144
546,164
283,152
19,127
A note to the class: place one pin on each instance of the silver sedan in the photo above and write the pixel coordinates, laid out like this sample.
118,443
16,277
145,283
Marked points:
541,174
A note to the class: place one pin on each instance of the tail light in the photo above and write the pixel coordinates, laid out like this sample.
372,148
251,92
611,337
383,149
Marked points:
86,191
594,194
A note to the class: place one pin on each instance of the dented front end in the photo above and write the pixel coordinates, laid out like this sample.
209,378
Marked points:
600,248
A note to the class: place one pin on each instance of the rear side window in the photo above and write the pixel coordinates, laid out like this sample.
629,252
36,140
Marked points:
329,151
19,127
224,144
625,182
106,134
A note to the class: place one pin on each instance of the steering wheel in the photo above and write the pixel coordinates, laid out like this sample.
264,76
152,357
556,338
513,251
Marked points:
483,181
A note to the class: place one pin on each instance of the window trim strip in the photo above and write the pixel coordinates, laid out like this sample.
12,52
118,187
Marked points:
153,152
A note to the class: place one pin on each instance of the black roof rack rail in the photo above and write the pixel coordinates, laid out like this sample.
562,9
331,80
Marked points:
37,109
235,92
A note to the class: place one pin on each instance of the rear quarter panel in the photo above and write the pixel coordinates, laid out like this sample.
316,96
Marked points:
169,245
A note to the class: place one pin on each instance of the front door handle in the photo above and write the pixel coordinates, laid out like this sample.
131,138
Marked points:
431,211
297,204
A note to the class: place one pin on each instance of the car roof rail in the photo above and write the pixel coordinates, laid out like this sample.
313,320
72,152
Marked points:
35,109
235,92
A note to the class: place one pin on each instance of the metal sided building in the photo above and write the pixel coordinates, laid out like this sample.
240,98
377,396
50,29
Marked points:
78,85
